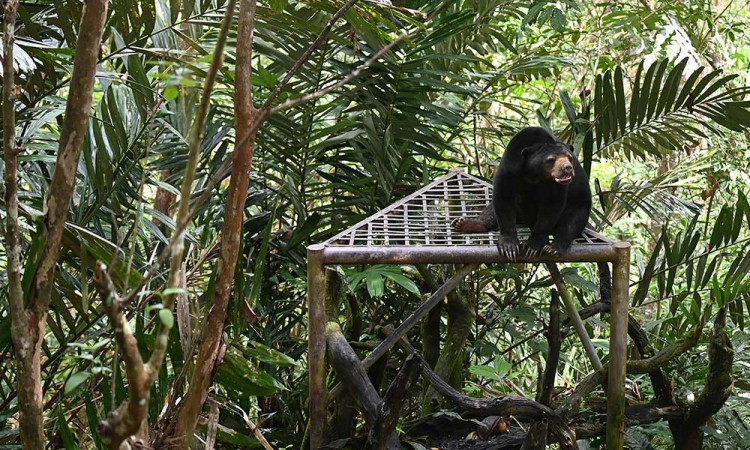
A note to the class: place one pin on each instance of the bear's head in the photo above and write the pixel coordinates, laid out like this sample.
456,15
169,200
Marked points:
549,162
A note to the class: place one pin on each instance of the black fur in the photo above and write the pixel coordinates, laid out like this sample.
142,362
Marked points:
525,193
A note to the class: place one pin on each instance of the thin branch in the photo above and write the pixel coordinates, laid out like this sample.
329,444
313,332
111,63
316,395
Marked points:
250,424
126,420
190,407
305,56
183,213
123,334
664,356
572,403
72,136
347,79
567,298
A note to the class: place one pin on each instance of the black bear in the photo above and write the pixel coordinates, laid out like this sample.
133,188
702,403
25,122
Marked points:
541,184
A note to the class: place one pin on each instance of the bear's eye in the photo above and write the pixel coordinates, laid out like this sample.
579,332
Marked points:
550,159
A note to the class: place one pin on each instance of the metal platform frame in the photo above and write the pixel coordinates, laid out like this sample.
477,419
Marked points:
416,230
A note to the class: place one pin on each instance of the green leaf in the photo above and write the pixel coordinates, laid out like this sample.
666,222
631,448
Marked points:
620,99
610,107
74,381
261,257
166,318
69,441
671,87
237,375
738,112
173,291
237,439
656,88
375,285
721,82
92,417
687,88
415,445
304,232
268,355
496,373
573,278
645,91
558,20
170,93
403,281
634,97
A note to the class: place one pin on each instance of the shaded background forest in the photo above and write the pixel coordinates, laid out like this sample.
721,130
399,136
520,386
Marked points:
653,94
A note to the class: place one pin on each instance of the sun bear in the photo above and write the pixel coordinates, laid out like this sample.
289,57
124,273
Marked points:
538,183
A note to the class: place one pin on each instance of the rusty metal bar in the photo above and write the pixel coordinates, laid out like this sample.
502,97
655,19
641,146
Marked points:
446,254
618,347
316,350
573,315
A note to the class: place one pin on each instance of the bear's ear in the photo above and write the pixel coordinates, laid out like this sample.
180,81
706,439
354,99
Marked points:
527,151
514,162
572,150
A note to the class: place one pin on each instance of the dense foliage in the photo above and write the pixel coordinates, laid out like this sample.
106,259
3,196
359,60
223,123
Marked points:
654,95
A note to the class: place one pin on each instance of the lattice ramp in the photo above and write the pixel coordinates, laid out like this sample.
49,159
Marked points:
424,218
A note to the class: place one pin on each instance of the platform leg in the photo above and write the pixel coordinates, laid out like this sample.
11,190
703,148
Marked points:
617,348
316,349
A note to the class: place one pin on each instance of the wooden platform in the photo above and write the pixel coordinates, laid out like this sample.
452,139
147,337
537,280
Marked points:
417,230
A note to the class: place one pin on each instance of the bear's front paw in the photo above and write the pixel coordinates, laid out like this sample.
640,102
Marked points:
558,249
535,246
551,250
508,247
468,225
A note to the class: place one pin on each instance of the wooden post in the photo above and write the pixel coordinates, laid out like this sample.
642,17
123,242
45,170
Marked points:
316,350
617,347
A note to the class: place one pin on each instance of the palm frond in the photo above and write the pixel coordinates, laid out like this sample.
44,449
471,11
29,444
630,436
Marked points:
667,108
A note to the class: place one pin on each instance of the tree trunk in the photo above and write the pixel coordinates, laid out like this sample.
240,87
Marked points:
246,119
29,320
448,367
688,433
28,351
